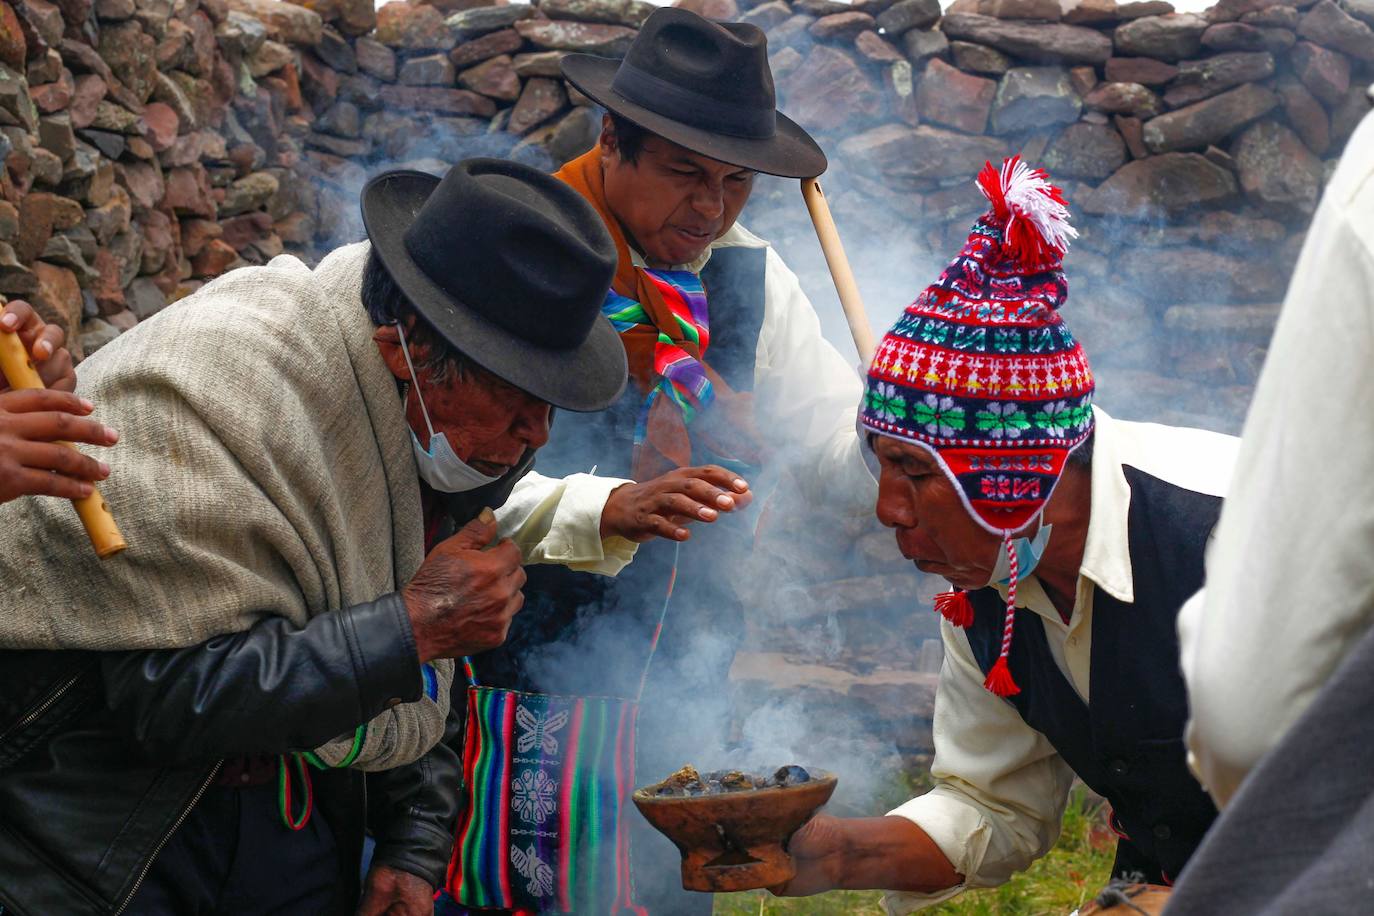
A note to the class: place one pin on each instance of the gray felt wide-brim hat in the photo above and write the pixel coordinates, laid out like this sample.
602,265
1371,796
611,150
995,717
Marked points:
511,266
704,85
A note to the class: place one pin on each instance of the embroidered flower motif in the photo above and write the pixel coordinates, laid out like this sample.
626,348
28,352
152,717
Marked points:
1056,418
534,869
1000,420
884,400
939,416
534,797
537,730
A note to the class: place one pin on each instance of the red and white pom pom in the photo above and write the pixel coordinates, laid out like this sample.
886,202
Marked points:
1034,214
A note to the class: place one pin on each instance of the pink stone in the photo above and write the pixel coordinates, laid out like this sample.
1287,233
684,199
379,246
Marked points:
162,123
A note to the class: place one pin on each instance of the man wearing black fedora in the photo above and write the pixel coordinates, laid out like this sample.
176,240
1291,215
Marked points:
727,364
305,477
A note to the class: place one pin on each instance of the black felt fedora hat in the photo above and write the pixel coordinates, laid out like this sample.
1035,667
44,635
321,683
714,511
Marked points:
704,85
511,266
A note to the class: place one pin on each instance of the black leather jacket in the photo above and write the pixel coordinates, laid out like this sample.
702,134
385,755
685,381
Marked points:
103,755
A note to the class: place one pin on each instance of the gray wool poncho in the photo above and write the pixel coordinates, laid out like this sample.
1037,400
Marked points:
264,469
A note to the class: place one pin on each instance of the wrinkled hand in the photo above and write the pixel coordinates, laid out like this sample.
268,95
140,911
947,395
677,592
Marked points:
464,595
32,462
44,342
660,508
391,892
817,849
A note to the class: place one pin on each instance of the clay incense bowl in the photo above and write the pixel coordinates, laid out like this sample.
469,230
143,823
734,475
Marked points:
733,841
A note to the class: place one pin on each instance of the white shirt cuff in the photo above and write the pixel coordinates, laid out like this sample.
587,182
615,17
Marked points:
574,538
961,832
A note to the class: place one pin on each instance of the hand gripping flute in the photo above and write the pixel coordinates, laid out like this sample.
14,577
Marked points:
95,514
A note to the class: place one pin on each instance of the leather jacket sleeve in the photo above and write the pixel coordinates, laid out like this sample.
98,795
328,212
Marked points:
413,809
273,688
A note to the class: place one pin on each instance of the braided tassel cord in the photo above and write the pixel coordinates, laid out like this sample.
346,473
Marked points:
999,679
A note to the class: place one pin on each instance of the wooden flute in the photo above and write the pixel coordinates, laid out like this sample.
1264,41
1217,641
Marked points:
95,513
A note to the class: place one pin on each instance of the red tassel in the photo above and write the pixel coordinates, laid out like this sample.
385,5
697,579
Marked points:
990,181
955,607
999,679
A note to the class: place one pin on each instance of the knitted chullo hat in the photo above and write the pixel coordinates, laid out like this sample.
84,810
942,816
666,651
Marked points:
982,372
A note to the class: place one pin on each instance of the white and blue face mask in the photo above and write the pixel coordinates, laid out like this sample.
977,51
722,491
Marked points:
1028,554
439,466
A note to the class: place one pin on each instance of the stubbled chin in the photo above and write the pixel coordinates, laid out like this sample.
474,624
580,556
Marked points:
958,578
681,251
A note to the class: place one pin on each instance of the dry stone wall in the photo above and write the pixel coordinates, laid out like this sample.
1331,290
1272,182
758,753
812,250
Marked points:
150,145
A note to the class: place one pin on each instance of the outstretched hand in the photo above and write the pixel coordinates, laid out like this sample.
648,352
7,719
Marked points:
664,506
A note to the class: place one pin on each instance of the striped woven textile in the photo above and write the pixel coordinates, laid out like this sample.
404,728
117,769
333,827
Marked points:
684,378
548,794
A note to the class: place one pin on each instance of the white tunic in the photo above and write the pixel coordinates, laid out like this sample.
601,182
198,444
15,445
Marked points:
1290,577
1000,786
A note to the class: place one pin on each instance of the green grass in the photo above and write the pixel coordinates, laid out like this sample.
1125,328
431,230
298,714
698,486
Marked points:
1074,871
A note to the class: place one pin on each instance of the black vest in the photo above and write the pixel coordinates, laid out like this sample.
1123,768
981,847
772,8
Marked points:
561,602
1127,743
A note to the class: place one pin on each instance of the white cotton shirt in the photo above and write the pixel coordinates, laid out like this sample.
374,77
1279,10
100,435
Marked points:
1000,787
806,400
558,520
1290,576
806,396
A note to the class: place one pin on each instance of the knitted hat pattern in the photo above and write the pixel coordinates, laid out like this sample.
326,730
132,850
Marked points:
982,371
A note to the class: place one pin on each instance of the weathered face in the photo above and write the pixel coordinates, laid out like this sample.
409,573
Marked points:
933,528
672,202
489,422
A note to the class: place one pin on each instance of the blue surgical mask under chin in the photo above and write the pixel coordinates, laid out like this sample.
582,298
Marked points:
1028,554
439,466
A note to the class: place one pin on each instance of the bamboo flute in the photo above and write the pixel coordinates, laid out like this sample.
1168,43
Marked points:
95,514
840,271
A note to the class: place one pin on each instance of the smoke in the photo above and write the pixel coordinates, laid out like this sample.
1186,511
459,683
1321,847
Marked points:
753,724
834,666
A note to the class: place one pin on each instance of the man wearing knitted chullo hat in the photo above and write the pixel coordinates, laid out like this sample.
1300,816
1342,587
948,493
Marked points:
1071,541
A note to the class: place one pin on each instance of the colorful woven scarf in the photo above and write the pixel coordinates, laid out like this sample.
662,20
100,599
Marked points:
682,377
662,318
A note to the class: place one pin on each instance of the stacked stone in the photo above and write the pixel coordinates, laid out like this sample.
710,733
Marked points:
126,170
152,144
1193,148
436,82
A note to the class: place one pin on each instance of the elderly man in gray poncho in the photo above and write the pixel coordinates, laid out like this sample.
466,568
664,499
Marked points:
201,724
